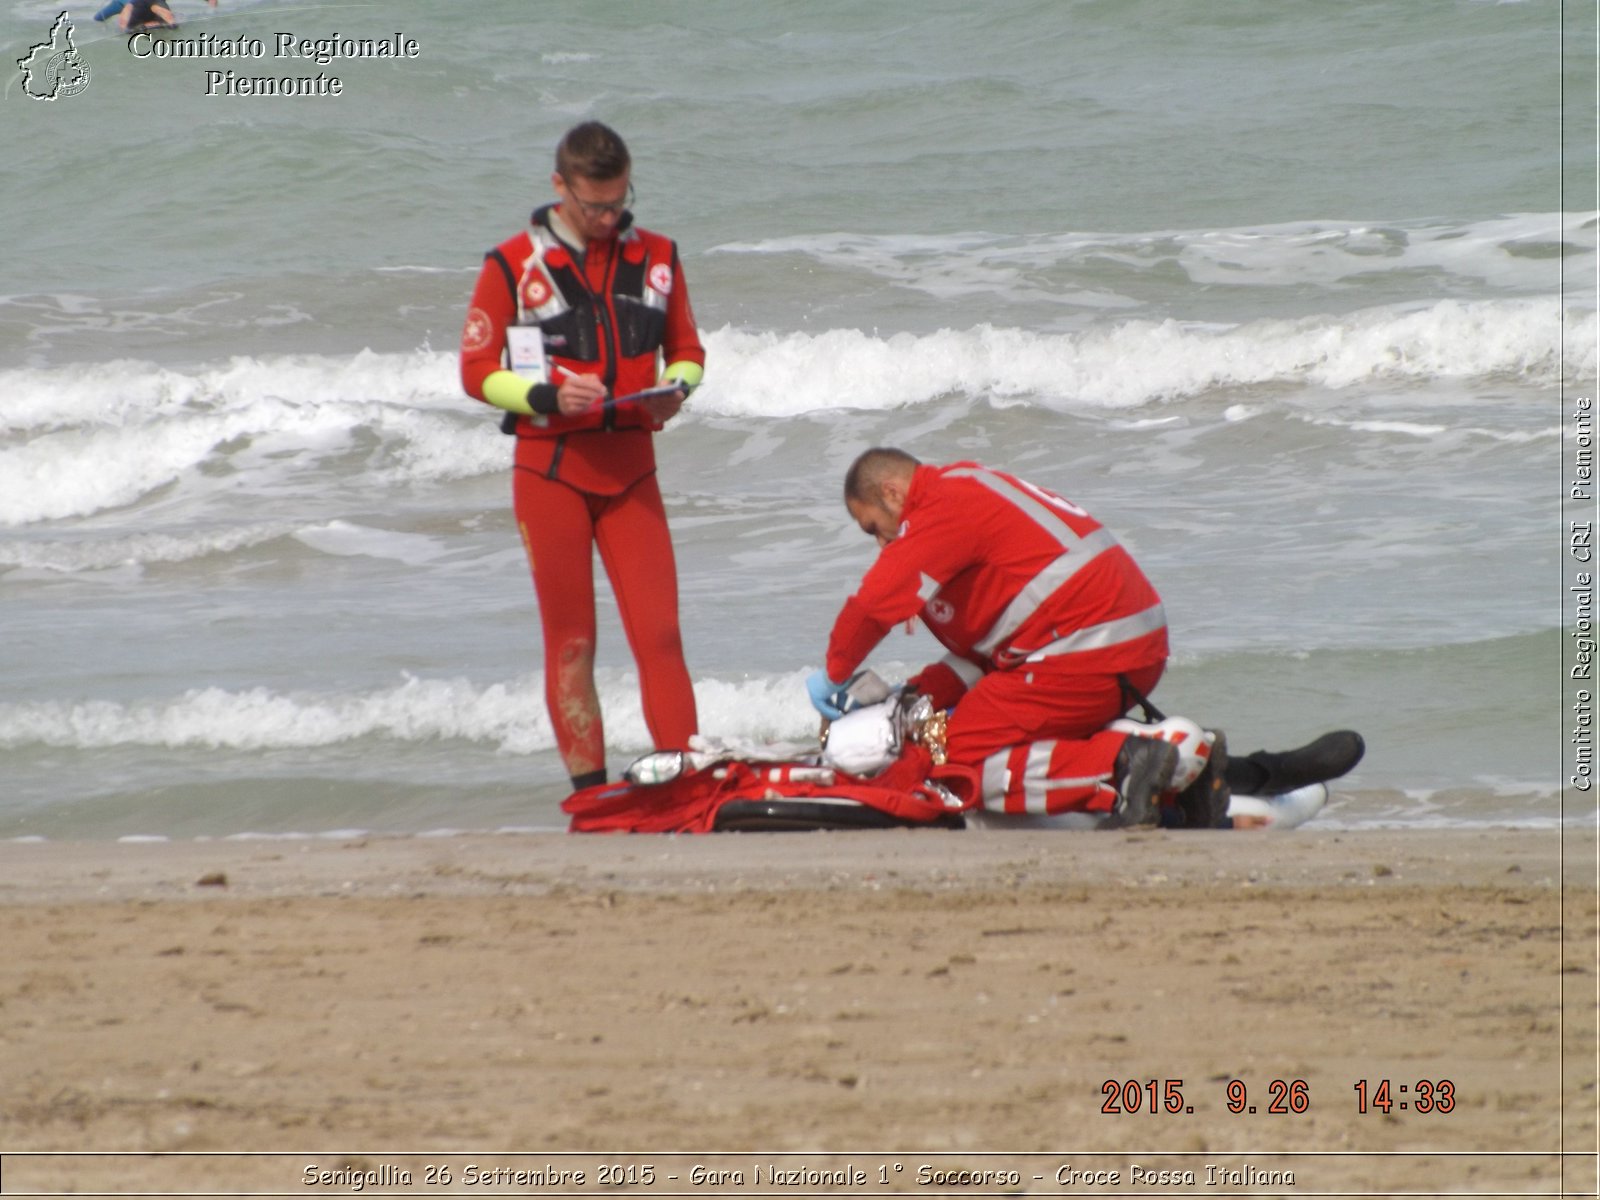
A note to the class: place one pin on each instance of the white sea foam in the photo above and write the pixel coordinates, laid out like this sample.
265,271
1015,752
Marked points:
117,550
345,538
1514,252
259,719
76,471
1427,432
1137,362
509,716
120,548
72,452
129,392
67,451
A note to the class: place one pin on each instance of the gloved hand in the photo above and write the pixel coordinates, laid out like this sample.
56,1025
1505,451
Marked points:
827,697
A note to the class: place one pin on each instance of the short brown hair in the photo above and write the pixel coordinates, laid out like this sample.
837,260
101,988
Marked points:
592,151
863,482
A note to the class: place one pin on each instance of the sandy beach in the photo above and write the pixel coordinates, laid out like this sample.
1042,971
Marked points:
872,1008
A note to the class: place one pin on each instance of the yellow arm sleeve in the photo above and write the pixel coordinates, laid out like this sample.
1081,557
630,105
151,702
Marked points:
685,372
508,390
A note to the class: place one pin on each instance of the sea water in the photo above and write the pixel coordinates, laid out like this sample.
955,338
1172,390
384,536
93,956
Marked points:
1295,299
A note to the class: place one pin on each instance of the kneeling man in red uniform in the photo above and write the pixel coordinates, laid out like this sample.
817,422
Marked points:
1051,627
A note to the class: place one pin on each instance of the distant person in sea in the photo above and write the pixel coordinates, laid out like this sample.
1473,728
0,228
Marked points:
1052,629
146,14
569,318
133,20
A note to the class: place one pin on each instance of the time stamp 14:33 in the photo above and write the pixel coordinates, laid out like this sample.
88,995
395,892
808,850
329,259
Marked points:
1283,1096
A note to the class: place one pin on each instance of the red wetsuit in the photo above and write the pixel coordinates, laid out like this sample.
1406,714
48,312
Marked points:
1042,611
610,308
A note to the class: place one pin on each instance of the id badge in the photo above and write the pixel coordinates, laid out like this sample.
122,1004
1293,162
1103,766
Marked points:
526,346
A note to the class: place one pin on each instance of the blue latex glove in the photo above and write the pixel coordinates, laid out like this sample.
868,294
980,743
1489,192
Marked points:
827,697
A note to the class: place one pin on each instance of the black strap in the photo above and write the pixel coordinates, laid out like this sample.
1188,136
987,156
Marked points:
555,458
505,269
1132,696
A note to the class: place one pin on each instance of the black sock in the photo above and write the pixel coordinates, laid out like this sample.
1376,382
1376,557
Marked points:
588,779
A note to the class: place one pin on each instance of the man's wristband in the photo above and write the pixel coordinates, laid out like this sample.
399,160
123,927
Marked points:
542,398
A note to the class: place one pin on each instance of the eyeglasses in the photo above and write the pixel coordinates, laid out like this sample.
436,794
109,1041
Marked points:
594,211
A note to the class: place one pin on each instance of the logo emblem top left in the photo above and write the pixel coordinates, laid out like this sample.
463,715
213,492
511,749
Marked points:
54,68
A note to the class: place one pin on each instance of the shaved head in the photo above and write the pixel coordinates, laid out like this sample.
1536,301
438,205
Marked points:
863,482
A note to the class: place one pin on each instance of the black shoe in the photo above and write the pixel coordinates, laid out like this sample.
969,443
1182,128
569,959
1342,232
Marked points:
1205,801
1274,773
1144,769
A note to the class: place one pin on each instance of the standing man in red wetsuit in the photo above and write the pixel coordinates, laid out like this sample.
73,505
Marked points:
1048,621
569,318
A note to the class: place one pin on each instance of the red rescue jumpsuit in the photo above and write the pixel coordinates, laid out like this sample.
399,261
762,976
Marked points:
609,308
1042,611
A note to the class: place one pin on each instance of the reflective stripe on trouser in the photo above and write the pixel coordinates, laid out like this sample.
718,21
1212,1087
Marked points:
1053,776
1038,735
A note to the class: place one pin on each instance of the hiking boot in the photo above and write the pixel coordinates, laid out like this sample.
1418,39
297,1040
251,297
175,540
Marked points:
1205,801
1273,774
1143,770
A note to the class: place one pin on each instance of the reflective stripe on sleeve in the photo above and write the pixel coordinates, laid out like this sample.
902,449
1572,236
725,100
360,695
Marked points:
1042,586
1050,515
